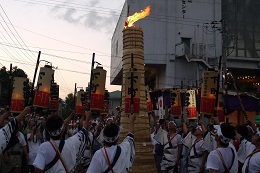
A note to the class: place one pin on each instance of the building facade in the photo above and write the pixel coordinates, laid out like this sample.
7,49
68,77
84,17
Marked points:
243,21
183,38
179,41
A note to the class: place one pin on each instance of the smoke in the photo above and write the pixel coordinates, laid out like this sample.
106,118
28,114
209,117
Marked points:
89,15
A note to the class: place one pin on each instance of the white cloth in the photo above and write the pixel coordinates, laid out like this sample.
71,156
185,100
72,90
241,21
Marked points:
188,140
124,163
195,159
254,164
209,142
154,142
5,134
214,161
170,153
87,156
33,148
72,153
245,148
21,139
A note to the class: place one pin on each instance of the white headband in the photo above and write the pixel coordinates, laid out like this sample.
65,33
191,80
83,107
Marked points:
258,132
250,128
199,127
56,132
172,122
223,139
112,139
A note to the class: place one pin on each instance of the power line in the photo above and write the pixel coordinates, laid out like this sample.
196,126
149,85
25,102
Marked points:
11,33
102,11
15,30
157,17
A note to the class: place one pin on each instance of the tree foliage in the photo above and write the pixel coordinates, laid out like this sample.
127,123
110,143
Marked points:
4,79
68,105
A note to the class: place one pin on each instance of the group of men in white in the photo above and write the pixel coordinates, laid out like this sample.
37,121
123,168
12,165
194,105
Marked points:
58,156
196,149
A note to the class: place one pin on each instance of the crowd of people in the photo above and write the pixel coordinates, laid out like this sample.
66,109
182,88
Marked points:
215,148
34,143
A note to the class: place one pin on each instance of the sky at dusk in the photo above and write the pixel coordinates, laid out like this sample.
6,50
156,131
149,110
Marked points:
66,32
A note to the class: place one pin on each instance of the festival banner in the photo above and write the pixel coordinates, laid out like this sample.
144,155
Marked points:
208,92
98,89
136,92
161,110
190,101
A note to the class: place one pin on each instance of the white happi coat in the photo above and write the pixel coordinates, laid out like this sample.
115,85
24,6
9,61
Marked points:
170,154
214,160
72,153
209,142
194,161
245,148
6,133
124,163
251,164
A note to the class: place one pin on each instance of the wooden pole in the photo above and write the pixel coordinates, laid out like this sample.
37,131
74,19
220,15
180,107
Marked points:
10,88
239,98
91,80
217,92
132,83
74,100
34,77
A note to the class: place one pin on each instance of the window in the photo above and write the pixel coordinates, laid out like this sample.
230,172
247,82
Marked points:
186,41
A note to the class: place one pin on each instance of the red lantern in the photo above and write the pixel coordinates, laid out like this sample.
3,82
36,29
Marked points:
54,102
45,79
80,104
208,91
136,92
176,103
98,89
19,88
106,102
148,100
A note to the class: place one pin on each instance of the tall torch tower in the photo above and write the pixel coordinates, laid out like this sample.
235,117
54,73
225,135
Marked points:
133,83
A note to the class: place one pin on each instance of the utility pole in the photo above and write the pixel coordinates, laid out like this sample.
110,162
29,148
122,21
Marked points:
224,56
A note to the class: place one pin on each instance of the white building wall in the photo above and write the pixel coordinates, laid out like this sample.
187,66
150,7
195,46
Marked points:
163,29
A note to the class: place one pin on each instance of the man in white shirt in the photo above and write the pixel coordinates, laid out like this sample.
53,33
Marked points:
113,158
172,143
249,153
11,129
58,155
223,154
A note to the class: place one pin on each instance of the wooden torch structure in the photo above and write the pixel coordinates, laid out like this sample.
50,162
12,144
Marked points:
134,99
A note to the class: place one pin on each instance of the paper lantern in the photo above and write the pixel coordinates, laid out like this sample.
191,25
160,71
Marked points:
208,92
80,103
54,102
190,102
148,100
106,102
45,79
176,103
98,89
136,92
19,89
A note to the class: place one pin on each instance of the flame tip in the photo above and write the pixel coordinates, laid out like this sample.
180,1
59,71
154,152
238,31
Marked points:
137,16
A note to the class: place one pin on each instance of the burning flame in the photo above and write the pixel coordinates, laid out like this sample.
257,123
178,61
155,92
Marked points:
138,15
